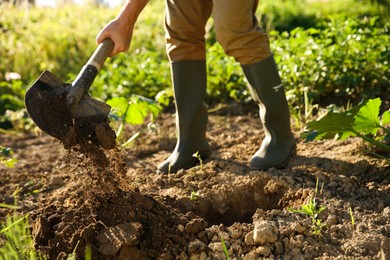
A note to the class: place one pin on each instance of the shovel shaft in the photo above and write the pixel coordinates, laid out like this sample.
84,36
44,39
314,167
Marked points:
87,75
101,53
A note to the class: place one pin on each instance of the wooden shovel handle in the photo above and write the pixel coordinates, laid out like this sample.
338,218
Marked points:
101,53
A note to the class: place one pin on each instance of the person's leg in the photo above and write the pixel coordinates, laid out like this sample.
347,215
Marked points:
238,32
185,32
267,90
185,23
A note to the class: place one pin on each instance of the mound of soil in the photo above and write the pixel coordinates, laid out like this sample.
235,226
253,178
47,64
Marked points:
115,202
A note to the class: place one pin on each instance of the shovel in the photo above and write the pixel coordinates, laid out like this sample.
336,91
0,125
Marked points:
66,111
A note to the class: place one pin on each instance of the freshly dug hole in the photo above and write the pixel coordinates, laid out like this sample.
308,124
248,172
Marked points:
238,202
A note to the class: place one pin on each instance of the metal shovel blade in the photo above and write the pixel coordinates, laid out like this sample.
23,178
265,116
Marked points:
47,106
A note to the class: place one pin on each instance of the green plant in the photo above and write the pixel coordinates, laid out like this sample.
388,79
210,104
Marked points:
6,157
72,256
362,121
87,253
18,120
302,115
225,250
7,206
194,195
225,79
134,111
352,218
18,240
335,60
11,95
197,156
312,210
286,15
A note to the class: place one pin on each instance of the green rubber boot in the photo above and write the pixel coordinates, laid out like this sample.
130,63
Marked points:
189,85
266,89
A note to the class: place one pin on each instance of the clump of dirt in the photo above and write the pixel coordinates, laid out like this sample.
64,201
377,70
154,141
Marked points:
87,132
115,202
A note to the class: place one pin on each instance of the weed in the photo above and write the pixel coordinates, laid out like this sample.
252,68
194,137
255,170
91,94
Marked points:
16,230
197,156
88,252
6,157
302,117
72,256
194,195
312,210
7,206
225,250
352,218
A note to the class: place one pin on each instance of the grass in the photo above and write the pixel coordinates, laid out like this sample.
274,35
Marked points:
225,250
18,239
352,218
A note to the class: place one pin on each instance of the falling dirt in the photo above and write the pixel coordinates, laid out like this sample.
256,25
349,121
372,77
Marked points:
116,203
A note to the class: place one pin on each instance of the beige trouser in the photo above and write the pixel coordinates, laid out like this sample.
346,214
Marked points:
235,24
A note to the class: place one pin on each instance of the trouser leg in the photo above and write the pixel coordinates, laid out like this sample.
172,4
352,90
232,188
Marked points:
238,32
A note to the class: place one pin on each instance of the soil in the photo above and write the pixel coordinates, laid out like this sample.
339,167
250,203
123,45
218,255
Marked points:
47,104
116,203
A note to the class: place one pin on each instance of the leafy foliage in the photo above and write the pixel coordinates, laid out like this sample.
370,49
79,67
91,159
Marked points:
133,111
362,120
345,60
312,209
11,96
6,157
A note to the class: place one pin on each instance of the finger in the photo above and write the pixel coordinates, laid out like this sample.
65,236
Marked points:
101,36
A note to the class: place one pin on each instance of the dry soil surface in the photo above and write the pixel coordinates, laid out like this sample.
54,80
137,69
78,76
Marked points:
116,202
